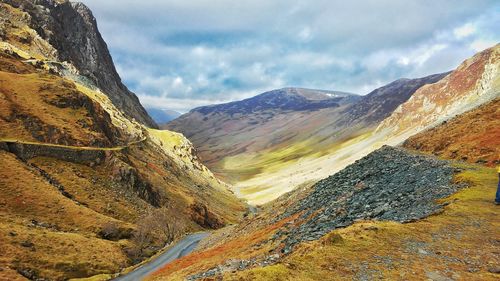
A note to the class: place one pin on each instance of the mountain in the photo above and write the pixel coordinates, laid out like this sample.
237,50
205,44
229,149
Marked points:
250,143
162,116
393,206
86,188
475,82
389,206
286,99
66,32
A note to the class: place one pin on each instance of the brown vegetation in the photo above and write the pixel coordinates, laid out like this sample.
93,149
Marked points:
473,137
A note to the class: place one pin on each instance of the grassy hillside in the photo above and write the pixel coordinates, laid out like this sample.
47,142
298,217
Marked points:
473,136
38,106
457,242
85,189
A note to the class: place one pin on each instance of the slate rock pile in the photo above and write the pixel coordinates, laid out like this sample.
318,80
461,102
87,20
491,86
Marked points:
389,184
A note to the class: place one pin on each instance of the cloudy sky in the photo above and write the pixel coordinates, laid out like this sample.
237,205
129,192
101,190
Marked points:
180,54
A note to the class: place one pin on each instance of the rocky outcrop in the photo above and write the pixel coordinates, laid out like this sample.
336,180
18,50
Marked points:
72,30
204,217
28,151
388,184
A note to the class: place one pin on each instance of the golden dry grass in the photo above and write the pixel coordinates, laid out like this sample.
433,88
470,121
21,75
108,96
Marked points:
65,244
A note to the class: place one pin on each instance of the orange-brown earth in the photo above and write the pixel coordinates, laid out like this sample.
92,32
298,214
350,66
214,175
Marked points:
79,182
40,107
459,243
473,137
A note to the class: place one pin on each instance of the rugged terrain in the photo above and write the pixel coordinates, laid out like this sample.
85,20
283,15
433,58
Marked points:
394,214
249,143
471,137
391,215
86,188
66,32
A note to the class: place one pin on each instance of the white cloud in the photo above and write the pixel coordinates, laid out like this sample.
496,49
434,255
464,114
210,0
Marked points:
188,53
464,31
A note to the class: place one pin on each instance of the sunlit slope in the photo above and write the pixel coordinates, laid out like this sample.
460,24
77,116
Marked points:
266,145
473,136
80,179
476,81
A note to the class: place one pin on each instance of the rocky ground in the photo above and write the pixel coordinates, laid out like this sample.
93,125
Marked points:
389,184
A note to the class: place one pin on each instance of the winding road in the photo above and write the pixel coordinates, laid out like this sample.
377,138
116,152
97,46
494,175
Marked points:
182,248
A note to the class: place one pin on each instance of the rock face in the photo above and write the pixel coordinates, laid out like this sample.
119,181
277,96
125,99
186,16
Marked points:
72,31
388,184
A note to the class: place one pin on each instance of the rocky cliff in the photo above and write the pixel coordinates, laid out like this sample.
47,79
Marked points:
71,30
86,188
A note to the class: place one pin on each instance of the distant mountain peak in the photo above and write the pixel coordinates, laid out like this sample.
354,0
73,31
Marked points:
285,99
314,94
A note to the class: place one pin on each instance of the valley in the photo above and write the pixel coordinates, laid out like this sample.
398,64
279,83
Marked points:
290,184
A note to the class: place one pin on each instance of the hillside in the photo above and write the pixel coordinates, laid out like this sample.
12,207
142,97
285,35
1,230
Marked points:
473,136
87,189
251,143
66,32
389,209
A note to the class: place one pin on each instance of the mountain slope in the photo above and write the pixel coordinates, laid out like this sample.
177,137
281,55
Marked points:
349,226
473,136
476,81
251,142
86,189
255,124
70,35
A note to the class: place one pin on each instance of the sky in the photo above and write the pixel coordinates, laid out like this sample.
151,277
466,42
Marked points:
180,54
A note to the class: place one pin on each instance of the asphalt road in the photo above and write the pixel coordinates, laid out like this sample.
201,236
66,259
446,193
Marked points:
182,248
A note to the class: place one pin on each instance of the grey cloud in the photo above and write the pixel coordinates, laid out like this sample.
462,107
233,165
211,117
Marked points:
226,50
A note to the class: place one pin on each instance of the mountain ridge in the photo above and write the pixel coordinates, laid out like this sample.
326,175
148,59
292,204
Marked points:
71,34
289,98
244,146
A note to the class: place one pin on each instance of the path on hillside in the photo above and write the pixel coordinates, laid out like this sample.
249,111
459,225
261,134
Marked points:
182,248
116,148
